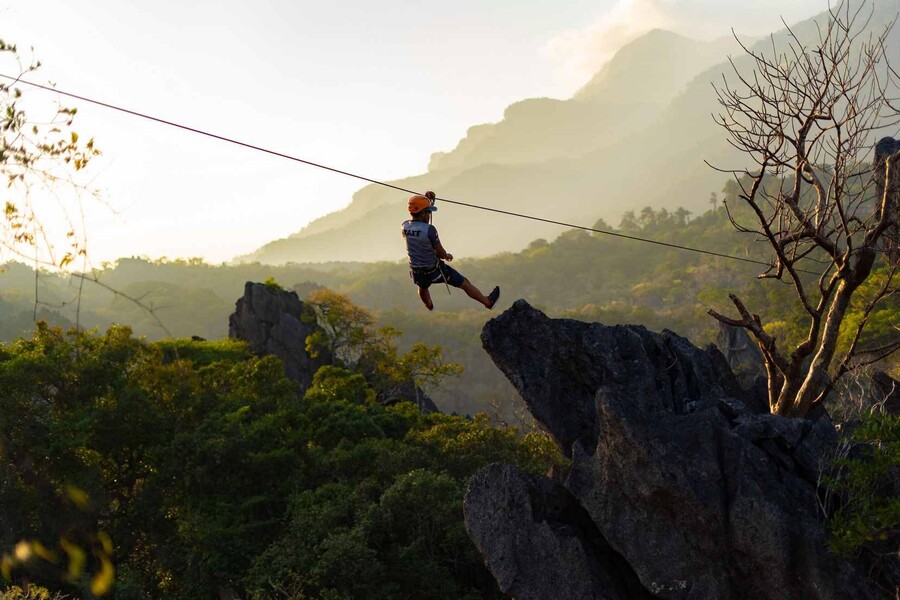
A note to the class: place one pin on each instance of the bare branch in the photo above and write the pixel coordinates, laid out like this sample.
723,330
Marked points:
137,301
805,116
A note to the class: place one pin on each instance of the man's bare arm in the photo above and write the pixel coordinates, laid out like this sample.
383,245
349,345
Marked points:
442,254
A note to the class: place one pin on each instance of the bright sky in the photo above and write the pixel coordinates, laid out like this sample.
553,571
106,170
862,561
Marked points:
371,88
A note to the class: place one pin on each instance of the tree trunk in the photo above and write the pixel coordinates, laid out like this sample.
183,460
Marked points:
817,375
787,395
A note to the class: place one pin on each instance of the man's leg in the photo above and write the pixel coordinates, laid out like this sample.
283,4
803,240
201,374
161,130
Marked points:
475,294
425,297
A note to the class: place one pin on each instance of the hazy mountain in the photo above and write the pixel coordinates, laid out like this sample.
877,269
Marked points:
629,92
637,134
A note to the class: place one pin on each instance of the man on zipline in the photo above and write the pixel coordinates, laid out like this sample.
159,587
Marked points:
427,255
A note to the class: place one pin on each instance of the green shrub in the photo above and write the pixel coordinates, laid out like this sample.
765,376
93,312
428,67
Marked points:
202,352
866,478
273,285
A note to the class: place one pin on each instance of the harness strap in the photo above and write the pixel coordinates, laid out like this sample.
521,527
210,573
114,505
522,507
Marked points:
426,270
429,270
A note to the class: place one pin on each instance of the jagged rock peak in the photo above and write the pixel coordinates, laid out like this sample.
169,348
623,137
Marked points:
700,497
558,365
270,320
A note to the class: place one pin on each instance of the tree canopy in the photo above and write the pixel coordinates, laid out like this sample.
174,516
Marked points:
182,468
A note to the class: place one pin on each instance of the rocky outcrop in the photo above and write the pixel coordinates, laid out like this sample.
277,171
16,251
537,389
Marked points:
270,321
700,497
741,352
541,542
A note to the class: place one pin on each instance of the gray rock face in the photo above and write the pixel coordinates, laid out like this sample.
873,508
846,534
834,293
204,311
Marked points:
702,498
521,520
887,151
741,352
269,320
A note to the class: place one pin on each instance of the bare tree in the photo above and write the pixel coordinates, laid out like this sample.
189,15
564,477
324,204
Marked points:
808,116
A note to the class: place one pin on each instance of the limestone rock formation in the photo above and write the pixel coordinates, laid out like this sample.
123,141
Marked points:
699,496
741,352
269,320
541,543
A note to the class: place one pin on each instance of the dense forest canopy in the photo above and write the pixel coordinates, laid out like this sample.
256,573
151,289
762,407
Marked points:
206,472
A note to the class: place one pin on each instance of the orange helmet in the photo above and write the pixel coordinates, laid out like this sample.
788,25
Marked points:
419,203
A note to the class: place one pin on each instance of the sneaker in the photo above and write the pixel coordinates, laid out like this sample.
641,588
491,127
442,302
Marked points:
493,296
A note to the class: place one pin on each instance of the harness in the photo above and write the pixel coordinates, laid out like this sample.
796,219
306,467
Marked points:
426,271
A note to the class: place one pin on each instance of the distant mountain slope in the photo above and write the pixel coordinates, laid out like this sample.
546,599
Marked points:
518,162
629,92
637,134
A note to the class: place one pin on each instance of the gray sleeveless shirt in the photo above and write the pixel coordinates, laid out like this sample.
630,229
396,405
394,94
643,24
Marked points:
420,241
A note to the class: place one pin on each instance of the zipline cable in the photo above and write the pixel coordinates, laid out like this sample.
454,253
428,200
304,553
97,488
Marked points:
613,233
382,183
200,131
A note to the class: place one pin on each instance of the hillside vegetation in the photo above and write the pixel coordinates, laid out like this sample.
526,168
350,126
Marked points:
581,275
136,474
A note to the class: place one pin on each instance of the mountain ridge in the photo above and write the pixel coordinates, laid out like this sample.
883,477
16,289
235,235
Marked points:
459,176
565,160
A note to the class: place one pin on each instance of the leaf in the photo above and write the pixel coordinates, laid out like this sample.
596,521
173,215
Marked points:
77,495
6,565
42,551
63,263
102,582
105,542
76,558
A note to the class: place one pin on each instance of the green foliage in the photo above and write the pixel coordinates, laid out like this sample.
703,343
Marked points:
868,482
273,285
461,443
426,367
346,328
587,277
348,334
401,377
202,352
77,413
334,384
395,531
180,468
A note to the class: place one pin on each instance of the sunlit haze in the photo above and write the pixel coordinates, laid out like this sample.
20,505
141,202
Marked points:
373,89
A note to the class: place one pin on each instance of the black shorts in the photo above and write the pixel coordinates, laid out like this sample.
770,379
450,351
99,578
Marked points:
425,277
